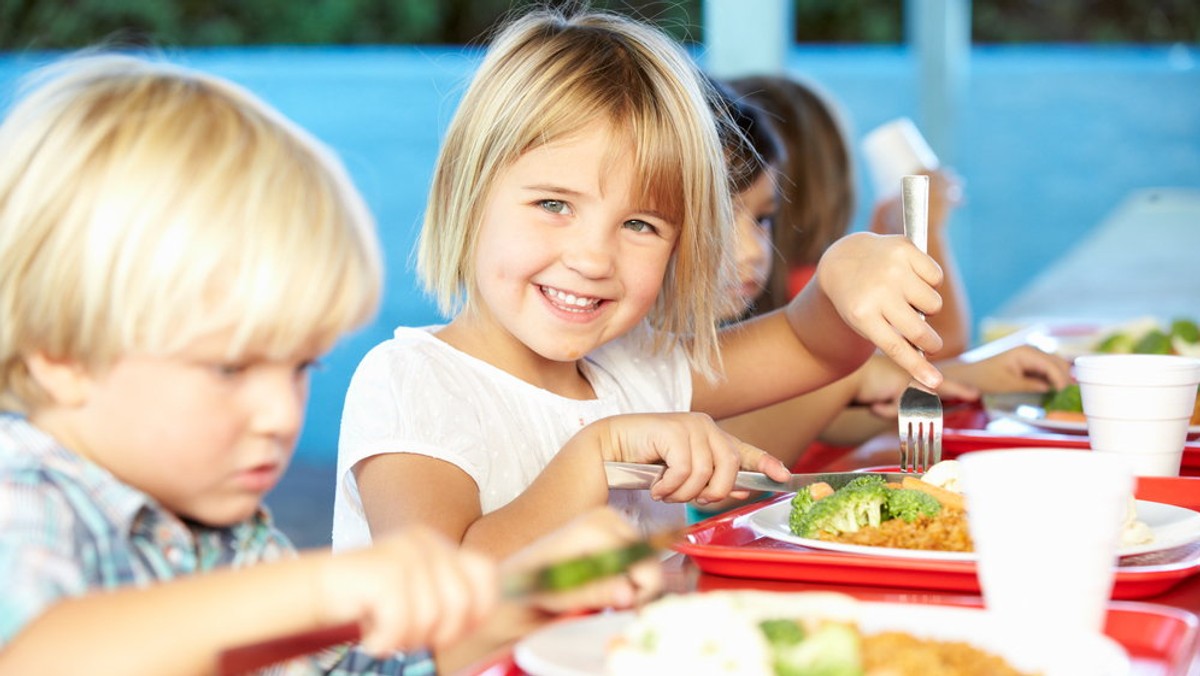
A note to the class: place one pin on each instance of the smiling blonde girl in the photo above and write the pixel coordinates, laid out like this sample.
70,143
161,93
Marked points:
579,231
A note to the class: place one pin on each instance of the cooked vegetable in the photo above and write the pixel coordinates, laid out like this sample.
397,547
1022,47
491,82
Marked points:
859,503
832,649
1066,399
908,504
948,499
1186,330
1154,342
1116,343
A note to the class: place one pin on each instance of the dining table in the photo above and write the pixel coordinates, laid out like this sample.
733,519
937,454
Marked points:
1154,613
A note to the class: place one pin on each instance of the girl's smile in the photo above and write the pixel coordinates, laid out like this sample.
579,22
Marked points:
569,257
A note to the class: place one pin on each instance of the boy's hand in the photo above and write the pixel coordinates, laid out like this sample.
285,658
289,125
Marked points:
702,459
600,529
412,589
881,285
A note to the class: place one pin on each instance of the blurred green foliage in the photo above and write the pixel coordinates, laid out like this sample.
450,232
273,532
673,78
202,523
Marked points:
57,24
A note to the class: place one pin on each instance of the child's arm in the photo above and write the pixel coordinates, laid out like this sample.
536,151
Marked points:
871,289
702,462
409,591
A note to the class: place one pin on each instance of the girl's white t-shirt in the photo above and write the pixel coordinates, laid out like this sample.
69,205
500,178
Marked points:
416,394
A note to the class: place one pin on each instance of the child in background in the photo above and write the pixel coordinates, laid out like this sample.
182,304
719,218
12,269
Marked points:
158,230
817,201
756,158
580,225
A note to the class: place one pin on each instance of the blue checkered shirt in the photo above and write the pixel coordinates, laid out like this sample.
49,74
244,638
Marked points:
69,527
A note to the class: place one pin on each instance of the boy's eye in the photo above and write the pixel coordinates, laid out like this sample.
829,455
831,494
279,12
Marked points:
641,226
230,370
554,206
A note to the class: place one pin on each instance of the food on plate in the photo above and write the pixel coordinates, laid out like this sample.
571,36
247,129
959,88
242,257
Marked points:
1064,404
869,511
1067,405
1133,531
1148,336
925,514
765,633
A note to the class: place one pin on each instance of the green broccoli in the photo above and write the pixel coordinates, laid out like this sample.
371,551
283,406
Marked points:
832,649
855,505
1154,342
781,633
908,504
1118,342
1185,330
1066,399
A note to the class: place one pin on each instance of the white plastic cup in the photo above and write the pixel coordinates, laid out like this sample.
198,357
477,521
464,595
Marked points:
893,150
1046,524
1139,407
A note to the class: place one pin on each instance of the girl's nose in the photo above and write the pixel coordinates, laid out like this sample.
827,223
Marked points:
591,252
749,250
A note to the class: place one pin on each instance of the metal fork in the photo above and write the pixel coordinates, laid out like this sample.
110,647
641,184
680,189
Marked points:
920,415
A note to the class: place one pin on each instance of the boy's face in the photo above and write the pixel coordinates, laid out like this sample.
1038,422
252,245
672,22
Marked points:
205,437
568,258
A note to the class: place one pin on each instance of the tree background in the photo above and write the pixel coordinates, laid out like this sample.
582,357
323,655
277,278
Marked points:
67,24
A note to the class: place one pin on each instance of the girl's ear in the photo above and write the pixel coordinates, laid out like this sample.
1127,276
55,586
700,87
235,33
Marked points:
65,381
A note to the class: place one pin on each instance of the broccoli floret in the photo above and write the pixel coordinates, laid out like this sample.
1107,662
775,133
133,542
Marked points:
1066,399
908,504
847,510
1119,342
866,480
801,503
782,633
1185,330
1154,342
832,649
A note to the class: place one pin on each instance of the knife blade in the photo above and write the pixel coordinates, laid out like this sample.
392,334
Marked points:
634,475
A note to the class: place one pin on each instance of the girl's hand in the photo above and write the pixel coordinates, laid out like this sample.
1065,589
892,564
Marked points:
881,285
1022,369
702,459
412,589
600,529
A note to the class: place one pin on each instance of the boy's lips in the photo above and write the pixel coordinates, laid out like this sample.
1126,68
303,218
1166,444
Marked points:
260,478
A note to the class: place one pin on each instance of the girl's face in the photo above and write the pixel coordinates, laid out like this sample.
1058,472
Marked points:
754,209
568,256
204,437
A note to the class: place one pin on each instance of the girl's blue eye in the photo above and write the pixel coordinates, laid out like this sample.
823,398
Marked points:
640,226
307,367
553,206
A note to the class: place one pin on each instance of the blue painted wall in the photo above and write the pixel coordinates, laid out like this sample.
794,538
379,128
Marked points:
1050,140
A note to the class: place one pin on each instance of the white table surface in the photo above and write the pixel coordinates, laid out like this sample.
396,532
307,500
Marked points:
1143,260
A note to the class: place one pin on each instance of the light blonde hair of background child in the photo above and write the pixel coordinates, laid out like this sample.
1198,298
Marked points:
144,205
547,76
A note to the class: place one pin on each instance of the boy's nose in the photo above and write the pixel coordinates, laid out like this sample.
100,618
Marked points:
279,405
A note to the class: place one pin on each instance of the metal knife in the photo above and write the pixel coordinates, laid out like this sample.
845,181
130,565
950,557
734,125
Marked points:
633,475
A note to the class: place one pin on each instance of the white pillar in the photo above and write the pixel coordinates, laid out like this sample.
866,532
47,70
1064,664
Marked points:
746,37
939,33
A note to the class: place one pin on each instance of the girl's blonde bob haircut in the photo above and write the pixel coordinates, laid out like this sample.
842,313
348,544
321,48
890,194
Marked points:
144,206
550,75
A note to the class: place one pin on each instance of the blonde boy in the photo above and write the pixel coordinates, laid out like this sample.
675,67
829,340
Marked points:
174,257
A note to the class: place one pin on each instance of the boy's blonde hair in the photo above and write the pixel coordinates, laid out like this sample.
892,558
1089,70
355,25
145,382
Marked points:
549,75
143,206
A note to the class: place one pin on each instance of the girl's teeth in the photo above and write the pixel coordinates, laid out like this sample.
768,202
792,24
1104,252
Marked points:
569,298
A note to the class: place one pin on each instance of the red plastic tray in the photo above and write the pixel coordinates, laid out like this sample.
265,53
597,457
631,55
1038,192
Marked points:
726,545
1159,639
967,428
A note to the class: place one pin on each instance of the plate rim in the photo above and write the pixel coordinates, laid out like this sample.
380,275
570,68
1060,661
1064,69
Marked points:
754,521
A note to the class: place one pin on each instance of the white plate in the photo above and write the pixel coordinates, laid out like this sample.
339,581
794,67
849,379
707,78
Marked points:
1026,407
577,647
1172,526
